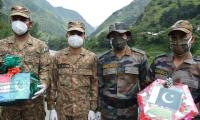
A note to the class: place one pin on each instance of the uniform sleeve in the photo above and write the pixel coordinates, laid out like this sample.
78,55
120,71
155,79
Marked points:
143,73
53,85
196,91
101,81
151,71
44,64
94,87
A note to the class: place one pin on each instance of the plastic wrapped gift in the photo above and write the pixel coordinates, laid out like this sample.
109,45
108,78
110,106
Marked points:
14,88
159,103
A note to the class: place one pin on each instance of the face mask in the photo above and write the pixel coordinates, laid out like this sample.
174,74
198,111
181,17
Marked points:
182,46
75,41
118,43
19,27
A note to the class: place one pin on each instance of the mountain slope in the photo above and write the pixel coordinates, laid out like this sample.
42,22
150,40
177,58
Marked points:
127,14
150,32
50,19
160,14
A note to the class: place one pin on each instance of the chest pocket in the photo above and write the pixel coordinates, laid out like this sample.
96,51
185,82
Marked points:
82,71
31,63
186,77
64,69
131,70
109,69
161,73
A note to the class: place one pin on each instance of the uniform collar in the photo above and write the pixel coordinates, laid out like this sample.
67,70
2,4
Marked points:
188,59
127,52
29,40
68,52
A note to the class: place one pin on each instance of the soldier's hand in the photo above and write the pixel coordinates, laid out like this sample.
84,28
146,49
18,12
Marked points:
98,115
91,115
53,115
43,87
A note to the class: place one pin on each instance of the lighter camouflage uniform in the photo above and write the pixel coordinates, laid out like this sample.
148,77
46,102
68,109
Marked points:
74,84
35,58
120,81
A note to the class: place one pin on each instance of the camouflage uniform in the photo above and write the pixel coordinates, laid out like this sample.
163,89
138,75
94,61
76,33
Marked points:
119,82
74,84
187,73
35,58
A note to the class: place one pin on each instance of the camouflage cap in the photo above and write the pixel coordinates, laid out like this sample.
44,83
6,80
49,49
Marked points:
118,27
19,10
76,25
181,25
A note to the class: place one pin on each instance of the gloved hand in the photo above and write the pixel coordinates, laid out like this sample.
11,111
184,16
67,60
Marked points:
91,115
53,115
43,87
98,115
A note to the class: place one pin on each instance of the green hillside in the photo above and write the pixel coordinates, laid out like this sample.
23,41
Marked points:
127,14
51,19
150,31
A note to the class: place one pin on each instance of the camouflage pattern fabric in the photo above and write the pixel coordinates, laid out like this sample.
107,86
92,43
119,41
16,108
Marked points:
119,82
187,73
74,84
35,58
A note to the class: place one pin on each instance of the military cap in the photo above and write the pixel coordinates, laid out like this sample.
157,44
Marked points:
118,27
20,10
181,25
76,25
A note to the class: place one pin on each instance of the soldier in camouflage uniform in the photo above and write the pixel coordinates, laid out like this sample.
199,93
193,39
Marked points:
181,66
74,84
34,54
121,71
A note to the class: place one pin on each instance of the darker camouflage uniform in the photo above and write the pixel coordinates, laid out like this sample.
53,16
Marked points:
75,83
119,82
35,59
187,73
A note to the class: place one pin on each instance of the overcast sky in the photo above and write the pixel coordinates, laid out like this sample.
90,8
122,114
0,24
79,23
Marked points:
93,11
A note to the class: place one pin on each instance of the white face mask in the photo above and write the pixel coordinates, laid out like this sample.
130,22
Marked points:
75,41
19,27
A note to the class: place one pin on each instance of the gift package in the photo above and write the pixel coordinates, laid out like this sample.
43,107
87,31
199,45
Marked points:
157,102
16,85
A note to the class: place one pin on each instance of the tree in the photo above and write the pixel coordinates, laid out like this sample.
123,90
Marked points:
35,30
57,43
1,4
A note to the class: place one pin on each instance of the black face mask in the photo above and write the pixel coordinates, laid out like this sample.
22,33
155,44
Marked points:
118,43
182,46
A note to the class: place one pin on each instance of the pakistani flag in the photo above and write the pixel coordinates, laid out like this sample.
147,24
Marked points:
166,97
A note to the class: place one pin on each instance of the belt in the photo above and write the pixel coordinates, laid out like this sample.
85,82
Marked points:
119,103
69,117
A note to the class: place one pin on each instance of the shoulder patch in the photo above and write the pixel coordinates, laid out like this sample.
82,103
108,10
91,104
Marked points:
138,50
161,55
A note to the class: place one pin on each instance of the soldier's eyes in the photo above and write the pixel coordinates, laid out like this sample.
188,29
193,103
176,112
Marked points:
19,18
76,33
